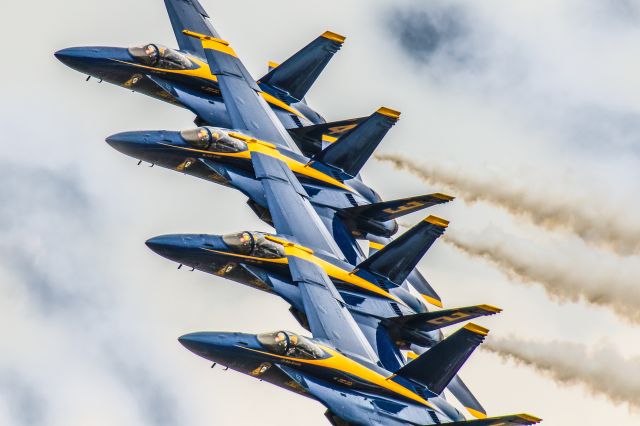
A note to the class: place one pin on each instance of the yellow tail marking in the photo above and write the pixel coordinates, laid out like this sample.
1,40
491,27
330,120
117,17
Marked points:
432,300
376,246
330,139
389,112
437,221
475,328
475,413
333,36
273,64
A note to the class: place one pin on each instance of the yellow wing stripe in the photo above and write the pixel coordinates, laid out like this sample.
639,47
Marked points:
443,196
491,308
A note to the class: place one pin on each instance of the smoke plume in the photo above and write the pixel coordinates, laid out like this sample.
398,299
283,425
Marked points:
601,371
566,274
544,206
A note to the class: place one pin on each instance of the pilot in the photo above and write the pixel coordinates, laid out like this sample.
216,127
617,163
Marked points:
152,52
246,241
282,341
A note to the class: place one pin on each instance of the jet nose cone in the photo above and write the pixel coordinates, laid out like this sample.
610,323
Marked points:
165,245
70,53
127,142
203,343
78,58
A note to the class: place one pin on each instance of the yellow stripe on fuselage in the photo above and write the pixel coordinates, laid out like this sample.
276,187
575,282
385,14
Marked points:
337,361
330,269
203,71
270,150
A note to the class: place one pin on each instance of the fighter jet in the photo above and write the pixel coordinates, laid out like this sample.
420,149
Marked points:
337,364
258,260
182,76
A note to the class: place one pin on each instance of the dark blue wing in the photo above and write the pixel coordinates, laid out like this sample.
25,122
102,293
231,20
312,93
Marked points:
248,111
189,15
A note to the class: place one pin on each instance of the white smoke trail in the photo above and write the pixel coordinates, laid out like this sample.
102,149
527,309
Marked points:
567,274
546,206
601,371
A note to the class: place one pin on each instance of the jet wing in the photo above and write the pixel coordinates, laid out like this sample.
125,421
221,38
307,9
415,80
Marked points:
293,216
291,211
248,111
189,15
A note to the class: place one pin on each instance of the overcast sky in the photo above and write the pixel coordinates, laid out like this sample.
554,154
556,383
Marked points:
539,98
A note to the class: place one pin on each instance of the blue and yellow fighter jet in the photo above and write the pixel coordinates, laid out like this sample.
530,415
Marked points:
182,76
338,366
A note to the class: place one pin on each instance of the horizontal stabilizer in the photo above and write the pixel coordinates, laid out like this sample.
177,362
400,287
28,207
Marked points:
295,76
429,321
436,367
313,139
353,150
389,210
512,420
396,260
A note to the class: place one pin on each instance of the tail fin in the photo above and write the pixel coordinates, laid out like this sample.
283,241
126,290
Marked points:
354,149
396,260
295,76
436,367
512,420
462,393
313,139
389,210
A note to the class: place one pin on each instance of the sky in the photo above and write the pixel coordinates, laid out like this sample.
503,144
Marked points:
533,99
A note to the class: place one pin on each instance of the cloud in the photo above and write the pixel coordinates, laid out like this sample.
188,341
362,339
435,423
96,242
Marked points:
566,273
26,403
50,256
601,371
553,208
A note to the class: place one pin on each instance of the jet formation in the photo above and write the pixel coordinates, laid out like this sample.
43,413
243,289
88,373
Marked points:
376,354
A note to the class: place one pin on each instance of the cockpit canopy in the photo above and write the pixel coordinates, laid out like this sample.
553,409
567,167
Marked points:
213,139
290,344
155,55
253,244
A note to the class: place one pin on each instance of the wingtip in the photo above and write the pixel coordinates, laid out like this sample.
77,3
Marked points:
435,220
389,112
334,36
442,196
475,328
491,308
529,418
